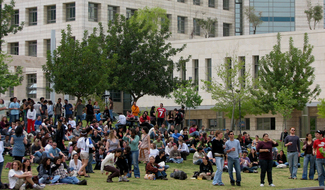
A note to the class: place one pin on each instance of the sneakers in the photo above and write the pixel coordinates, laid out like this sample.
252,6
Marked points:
272,185
120,179
38,187
83,182
255,171
238,183
124,179
262,185
109,180
23,187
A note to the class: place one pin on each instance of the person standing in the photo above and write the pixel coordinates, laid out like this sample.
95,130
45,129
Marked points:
218,154
309,157
234,152
79,108
44,111
111,108
31,117
50,110
318,150
68,109
284,134
293,148
133,139
265,157
89,112
14,110
161,111
226,134
57,111
135,110
19,141
2,109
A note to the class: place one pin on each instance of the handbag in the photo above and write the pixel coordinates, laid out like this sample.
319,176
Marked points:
218,155
149,176
161,164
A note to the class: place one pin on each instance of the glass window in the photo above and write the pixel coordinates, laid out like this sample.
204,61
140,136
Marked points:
47,91
212,33
48,45
71,97
209,70
32,48
129,13
116,95
51,14
93,12
256,65
196,2
112,11
196,27
31,86
181,1
213,124
181,24
211,3
238,17
14,48
197,122
183,70
196,73
11,91
32,16
15,18
71,12
266,123
226,29
225,4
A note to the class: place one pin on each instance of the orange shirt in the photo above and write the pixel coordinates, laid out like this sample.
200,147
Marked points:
135,110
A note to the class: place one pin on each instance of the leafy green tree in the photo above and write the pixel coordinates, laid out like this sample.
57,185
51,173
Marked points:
291,70
208,26
253,18
6,21
188,95
144,64
8,78
233,84
321,108
76,68
313,13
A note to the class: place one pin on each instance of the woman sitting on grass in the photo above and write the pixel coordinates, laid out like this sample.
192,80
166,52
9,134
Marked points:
206,170
75,164
18,178
154,168
45,173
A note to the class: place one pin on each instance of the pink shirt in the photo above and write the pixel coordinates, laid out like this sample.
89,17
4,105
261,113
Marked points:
192,129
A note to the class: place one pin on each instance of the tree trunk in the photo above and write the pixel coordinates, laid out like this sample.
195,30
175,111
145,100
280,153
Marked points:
232,118
255,30
189,116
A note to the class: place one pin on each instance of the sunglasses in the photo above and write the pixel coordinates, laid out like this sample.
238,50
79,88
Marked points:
231,134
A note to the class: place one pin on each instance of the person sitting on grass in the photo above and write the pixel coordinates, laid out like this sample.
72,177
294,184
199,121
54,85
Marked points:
281,159
154,168
175,135
194,143
161,158
253,157
18,178
108,165
153,151
45,173
246,165
75,164
206,170
198,155
182,147
159,143
54,151
175,155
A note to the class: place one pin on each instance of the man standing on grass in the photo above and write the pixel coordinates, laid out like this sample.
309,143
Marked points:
234,152
161,112
318,150
292,143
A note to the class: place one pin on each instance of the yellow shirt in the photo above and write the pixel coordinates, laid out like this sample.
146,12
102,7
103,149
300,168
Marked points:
135,110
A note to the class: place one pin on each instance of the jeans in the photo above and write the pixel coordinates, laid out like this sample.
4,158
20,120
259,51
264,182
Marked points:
13,118
309,158
176,160
152,135
43,180
111,115
266,166
118,124
78,118
217,177
234,162
1,166
198,162
195,133
38,154
160,121
293,163
69,180
56,117
135,163
320,163
89,167
161,174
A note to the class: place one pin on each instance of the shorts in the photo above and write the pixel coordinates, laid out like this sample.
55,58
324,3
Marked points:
84,155
19,183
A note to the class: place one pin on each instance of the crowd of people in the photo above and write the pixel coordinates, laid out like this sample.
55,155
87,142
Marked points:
39,133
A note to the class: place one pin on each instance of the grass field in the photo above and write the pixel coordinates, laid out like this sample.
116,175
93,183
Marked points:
249,180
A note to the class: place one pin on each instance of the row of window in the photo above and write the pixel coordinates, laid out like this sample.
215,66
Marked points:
211,3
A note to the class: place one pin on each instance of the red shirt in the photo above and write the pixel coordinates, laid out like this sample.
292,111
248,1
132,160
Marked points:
161,112
319,144
143,120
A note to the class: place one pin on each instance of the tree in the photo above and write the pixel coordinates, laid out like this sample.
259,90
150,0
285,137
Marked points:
8,78
291,70
6,21
321,108
313,13
188,95
143,58
76,68
208,26
232,85
253,18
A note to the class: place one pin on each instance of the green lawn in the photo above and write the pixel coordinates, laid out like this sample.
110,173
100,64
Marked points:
249,180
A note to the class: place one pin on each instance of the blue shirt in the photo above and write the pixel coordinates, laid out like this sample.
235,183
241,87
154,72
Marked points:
233,144
55,152
38,122
175,136
98,118
14,105
67,109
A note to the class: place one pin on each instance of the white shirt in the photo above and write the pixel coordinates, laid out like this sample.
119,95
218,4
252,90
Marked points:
37,107
122,119
1,151
153,152
72,123
12,179
183,148
84,145
47,147
167,149
73,165
31,114
108,161
210,155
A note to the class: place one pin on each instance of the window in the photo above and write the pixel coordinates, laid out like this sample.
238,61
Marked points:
229,81
116,95
226,29
71,97
211,3
266,123
181,1
51,14
183,70
196,27
196,2
238,17
32,16
14,48
256,65
32,48
11,91
197,122
48,45
196,73
47,91
209,70
242,71
71,12
112,11
245,124
213,124
15,18
31,86
129,13
93,12
212,32
181,24
225,4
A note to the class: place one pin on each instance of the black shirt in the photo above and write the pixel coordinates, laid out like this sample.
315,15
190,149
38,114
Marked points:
194,142
44,108
158,159
217,146
90,109
206,168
